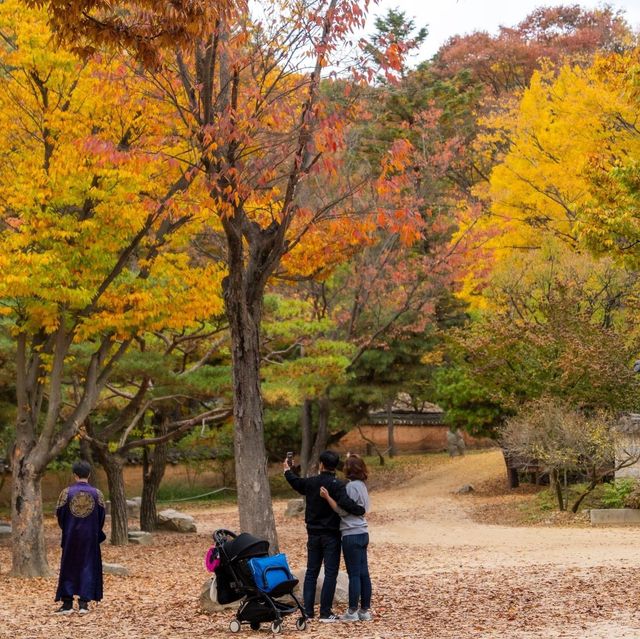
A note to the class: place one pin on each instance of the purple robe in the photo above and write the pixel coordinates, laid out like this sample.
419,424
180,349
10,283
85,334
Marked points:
80,513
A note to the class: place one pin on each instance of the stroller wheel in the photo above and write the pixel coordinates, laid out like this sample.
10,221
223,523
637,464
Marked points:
276,627
301,624
255,625
234,626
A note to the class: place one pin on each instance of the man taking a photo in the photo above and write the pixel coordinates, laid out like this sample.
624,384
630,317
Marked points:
323,531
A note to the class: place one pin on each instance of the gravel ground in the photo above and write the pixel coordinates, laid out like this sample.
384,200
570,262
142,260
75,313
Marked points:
437,572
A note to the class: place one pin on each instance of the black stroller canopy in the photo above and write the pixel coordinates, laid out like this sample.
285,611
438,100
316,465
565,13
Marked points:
245,546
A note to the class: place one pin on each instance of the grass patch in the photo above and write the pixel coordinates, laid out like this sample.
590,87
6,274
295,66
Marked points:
394,472
537,508
544,503
401,469
174,492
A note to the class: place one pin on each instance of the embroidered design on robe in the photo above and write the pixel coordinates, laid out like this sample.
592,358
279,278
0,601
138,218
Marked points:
62,499
82,504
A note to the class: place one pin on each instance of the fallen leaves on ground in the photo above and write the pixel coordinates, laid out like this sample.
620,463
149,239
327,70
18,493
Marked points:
160,598
422,590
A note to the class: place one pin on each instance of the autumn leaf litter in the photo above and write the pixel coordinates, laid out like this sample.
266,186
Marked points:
429,586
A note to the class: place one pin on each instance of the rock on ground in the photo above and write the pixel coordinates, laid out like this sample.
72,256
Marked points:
140,538
208,601
176,521
115,569
342,586
295,507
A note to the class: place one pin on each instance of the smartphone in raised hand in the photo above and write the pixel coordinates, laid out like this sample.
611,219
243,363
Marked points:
290,459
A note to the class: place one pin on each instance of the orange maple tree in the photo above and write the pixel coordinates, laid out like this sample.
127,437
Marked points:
271,151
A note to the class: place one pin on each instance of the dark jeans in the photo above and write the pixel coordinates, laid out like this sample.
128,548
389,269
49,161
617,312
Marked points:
354,548
321,549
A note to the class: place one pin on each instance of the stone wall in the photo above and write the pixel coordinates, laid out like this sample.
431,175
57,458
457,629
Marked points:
408,438
629,446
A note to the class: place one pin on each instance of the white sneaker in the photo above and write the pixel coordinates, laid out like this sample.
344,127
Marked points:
350,616
64,611
365,615
330,619
83,611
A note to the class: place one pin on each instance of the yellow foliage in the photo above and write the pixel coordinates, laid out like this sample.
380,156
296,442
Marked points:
85,162
567,132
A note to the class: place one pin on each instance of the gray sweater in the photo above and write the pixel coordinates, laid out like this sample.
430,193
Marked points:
355,524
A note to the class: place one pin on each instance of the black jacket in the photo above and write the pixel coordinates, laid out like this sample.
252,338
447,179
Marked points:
320,518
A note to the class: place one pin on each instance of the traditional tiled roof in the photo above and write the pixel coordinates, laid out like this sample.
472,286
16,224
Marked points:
408,418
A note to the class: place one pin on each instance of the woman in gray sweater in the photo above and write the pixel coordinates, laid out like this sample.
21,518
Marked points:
355,540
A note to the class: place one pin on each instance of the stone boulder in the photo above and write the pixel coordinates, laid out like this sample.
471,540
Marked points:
295,507
208,601
5,531
140,538
133,507
342,586
171,519
465,490
115,569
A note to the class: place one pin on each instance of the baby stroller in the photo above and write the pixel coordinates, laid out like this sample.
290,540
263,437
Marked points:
243,568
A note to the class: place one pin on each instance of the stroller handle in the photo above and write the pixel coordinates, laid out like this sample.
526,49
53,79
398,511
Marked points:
220,535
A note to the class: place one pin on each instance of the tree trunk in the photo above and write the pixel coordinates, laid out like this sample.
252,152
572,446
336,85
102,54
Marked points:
252,481
595,478
579,500
390,429
305,447
28,547
113,467
322,434
42,434
155,462
513,481
557,487
85,453
512,473
371,446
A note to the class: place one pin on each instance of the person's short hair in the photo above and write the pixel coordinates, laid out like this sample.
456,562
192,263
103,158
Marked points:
81,469
355,468
329,459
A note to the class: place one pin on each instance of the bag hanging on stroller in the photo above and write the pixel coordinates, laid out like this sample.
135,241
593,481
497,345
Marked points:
272,574
247,572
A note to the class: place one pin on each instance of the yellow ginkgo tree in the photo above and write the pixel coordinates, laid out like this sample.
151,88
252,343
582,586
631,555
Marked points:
94,225
570,168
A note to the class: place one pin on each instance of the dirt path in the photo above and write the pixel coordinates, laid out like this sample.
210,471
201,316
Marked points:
538,582
427,512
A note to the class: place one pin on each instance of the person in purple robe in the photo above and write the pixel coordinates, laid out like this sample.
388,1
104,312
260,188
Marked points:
80,512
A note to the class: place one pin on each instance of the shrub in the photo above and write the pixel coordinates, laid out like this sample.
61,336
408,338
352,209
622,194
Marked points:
632,500
616,493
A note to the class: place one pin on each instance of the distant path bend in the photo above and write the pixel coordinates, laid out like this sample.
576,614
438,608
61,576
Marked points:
427,512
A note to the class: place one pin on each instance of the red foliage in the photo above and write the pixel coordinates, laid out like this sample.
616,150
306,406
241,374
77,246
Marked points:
507,60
